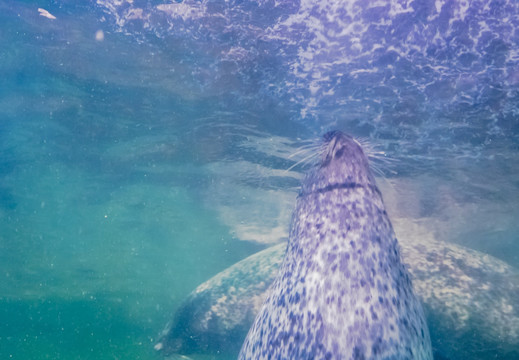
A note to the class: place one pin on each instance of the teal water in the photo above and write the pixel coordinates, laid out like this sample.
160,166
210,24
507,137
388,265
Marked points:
102,227
135,167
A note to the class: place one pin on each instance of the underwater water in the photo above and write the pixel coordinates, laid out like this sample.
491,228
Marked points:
147,145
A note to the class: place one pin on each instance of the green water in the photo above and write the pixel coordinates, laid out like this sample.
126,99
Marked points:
103,227
98,278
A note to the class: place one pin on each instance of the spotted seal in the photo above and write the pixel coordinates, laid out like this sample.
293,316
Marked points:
342,291
470,300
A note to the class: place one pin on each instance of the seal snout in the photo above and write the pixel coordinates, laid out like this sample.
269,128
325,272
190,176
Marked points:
336,145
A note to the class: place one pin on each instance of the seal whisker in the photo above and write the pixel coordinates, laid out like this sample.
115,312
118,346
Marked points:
306,159
304,149
377,170
378,158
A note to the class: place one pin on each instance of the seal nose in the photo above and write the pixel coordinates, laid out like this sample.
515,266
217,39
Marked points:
330,135
337,141
331,142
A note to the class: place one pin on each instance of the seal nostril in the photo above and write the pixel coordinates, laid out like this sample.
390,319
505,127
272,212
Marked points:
339,152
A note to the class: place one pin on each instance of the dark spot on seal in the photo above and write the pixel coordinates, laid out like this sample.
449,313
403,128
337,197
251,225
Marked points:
374,315
358,353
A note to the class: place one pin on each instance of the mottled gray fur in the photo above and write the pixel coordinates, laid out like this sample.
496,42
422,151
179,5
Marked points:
342,291
471,301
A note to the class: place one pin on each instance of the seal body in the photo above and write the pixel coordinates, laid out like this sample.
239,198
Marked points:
459,289
216,316
342,291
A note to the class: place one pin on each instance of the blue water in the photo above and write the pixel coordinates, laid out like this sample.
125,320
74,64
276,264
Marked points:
144,145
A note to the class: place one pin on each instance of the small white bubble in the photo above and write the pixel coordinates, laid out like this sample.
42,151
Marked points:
100,35
46,14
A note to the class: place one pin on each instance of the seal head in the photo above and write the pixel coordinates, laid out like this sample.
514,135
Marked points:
342,291
343,165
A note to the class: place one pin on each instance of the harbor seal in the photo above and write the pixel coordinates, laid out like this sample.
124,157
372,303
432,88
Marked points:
470,300
342,291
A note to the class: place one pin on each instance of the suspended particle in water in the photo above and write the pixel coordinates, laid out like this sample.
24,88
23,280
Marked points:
100,35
